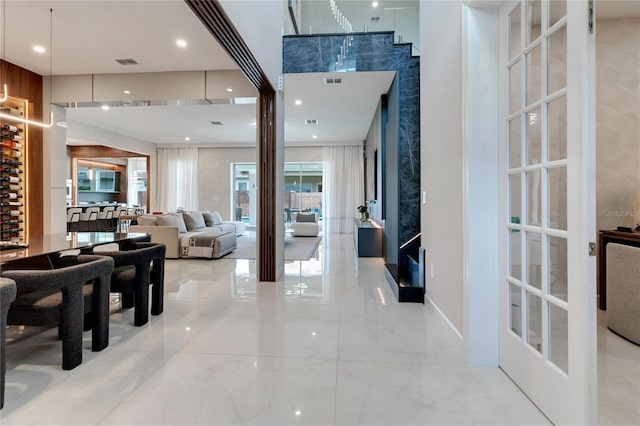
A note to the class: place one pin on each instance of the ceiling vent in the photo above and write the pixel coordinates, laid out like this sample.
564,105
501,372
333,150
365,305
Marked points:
217,123
311,121
333,80
127,61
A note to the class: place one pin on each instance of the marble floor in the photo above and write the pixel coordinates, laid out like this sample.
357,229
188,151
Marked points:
326,345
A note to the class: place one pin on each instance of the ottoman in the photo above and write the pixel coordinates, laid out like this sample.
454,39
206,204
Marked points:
305,229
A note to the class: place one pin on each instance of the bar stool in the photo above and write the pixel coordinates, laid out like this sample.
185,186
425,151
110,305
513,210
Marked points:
88,219
73,219
7,295
62,297
116,214
104,218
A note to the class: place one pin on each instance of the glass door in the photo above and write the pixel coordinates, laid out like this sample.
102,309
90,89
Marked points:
547,298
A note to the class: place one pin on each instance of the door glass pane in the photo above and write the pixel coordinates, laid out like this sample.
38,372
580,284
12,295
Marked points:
557,9
515,144
515,310
534,86
557,132
514,87
557,181
558,268
515,191
557,67
515,256
534,20
559,337
514,33
534,139
534,257
533,198
534,321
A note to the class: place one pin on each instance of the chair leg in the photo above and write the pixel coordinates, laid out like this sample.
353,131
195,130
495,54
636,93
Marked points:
3,344
87,322
126,300
72,316
157,289
141,312
100,313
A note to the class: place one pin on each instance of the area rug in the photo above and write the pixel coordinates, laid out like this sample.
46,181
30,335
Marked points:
295,248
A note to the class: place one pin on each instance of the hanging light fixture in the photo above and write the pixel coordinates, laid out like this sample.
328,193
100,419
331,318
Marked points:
5,94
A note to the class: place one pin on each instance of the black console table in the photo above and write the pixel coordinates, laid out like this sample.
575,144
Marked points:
367,238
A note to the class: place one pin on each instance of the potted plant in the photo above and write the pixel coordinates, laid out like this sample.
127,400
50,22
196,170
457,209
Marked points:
364,212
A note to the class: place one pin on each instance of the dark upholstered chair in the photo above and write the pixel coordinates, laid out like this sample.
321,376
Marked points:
57,297
7,295
137,266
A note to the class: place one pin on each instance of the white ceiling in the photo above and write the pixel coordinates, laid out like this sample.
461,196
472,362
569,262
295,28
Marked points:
88,36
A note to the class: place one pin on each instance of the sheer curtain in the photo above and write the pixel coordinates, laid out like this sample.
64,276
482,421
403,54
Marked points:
178,178
343,187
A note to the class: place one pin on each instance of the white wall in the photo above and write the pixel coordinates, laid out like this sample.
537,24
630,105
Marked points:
441,154
261,24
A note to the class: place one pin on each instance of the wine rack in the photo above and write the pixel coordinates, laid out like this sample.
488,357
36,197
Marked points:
13,144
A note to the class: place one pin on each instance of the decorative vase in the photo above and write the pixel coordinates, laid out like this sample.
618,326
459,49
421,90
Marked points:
362,216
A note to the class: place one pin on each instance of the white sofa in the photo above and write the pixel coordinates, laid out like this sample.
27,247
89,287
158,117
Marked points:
188,235
306,225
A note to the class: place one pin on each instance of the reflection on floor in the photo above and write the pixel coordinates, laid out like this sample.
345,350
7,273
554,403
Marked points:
327,345
618,377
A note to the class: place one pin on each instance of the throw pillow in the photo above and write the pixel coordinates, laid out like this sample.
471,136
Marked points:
173,220
208,218
217,219
146,220
193,220
306,217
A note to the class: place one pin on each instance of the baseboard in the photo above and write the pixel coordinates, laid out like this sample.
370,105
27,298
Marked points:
453,327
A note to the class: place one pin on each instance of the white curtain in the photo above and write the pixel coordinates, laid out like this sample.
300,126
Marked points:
343,187
178,178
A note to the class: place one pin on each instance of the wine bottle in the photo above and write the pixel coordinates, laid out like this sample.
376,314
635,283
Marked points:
11,128
12,230
11,203
11,187
11,162
11,195
11,152
11,221
11,111
11,212
13,137
10,170
11,144
12,179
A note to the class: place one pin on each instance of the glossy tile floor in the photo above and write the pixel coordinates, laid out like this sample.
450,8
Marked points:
327,345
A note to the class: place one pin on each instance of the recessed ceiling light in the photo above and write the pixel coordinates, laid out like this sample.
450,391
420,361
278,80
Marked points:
39,49
315,136
229,89
126,92
187,138
181,43
105,107
374,4
298,102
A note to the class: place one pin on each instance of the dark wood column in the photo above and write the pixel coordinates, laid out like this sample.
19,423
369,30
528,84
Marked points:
215,19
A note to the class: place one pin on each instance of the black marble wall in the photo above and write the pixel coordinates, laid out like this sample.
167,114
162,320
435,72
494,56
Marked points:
374,52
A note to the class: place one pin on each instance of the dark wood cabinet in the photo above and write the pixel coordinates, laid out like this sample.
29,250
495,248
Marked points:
367,238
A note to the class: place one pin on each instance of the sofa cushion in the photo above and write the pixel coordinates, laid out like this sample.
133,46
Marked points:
193,220
306,217
212,218
147,220
173,220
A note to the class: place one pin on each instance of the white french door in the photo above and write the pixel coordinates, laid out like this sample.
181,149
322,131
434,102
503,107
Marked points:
547,291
